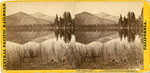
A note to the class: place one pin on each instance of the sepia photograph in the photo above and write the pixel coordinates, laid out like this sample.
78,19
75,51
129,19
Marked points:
74,35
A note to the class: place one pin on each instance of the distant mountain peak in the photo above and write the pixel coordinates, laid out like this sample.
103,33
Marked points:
18,14
41,15
107,16
21,13
84,12
104,14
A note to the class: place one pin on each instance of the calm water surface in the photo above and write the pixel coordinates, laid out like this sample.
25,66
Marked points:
84,36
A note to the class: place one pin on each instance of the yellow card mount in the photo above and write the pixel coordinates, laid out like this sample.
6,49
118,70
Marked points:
75,36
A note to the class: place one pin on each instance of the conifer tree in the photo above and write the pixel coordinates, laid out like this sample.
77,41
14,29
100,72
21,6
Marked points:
125,22
69,17
132,17
140,23
120,21
128,17
56,21
60,21
64,17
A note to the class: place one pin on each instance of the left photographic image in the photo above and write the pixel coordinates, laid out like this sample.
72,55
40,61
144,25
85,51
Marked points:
40,36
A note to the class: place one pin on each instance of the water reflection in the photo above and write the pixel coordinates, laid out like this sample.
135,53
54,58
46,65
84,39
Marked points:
130,34
87,36
26,35
84,36
106,35
64,34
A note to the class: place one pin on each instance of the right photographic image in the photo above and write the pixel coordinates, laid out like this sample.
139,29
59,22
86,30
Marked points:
109,35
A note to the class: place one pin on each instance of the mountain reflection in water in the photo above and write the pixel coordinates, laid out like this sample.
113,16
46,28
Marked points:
105,35
84,36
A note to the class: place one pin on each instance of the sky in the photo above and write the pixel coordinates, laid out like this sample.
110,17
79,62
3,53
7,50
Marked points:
53,8
49,8
113,8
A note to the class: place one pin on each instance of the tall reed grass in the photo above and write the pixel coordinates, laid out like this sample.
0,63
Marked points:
114,54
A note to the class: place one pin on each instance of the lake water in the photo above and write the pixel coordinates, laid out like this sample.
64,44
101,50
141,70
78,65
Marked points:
75,49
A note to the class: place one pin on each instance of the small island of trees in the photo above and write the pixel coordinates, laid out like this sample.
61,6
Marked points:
65,22
131,22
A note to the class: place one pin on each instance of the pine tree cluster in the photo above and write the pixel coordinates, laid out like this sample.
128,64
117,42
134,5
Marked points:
66,21
131,21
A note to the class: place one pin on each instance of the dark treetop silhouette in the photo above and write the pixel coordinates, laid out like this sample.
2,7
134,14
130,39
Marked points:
66,21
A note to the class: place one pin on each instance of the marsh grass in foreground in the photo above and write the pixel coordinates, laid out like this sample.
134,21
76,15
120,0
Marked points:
53,55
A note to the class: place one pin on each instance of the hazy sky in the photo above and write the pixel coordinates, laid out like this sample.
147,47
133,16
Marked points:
113,8
49,8
53,8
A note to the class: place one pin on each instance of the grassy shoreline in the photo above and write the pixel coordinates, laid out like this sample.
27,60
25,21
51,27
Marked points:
52,55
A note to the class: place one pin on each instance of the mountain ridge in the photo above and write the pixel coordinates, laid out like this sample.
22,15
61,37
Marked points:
22,18
86,18
107,16
43,16
83,18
